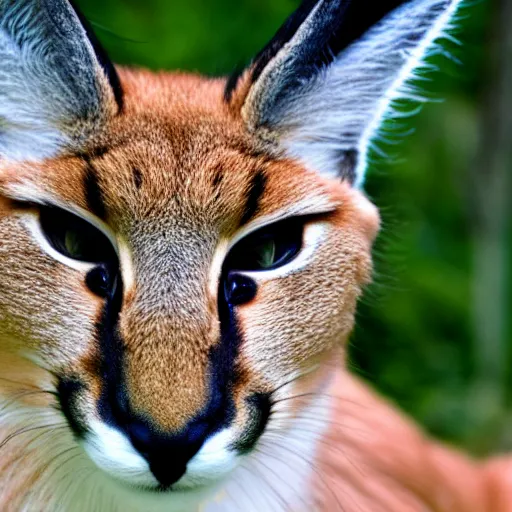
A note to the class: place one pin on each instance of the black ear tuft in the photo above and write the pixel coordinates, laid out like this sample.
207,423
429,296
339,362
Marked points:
342,23
283,36
103,58
319,90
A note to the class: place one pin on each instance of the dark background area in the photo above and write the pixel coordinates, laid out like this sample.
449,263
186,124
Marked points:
434,331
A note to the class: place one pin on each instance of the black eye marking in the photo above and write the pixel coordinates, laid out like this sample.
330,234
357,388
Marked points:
101,280
137,178
92,191
254,193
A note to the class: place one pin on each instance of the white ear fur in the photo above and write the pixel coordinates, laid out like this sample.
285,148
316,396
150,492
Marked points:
54,93
329,120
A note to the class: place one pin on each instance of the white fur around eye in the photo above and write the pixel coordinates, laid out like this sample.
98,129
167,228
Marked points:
314,234
127,265
31,221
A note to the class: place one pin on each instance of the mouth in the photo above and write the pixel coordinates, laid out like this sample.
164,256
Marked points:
149,462
114,455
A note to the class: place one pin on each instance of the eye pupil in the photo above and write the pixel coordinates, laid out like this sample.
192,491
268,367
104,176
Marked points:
72,244
267,254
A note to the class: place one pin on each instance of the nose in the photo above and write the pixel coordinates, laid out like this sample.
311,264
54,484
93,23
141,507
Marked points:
167,453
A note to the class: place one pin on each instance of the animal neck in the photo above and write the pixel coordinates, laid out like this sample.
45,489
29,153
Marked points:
374,458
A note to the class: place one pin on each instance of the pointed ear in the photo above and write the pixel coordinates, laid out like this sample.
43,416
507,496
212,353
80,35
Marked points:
320,89
57,88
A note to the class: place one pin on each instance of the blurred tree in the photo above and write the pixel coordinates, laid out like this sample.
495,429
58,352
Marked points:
491,187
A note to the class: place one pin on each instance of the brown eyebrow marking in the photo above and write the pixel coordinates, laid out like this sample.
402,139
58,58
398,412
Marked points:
137,177
254,193
92,190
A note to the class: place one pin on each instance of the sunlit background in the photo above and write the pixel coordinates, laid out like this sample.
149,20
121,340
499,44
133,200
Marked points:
434,331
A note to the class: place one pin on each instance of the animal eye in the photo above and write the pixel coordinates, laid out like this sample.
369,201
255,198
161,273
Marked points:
268,248
74,237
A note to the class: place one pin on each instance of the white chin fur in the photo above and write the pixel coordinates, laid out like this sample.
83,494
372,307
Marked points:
274,477
211,464
112,451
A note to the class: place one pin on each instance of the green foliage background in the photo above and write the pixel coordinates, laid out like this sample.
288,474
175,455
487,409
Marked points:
415,339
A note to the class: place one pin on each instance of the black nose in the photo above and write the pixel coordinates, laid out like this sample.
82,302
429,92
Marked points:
167,454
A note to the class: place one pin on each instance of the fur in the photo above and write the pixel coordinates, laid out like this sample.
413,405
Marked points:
53,92
311,120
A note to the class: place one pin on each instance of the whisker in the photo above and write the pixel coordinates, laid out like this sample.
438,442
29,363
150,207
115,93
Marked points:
30,429
320,395
336,447
313,467
22,394
89,473
239,484
291,381
269,468
56,457
53,431
312,420
269,485
18,383
67,475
